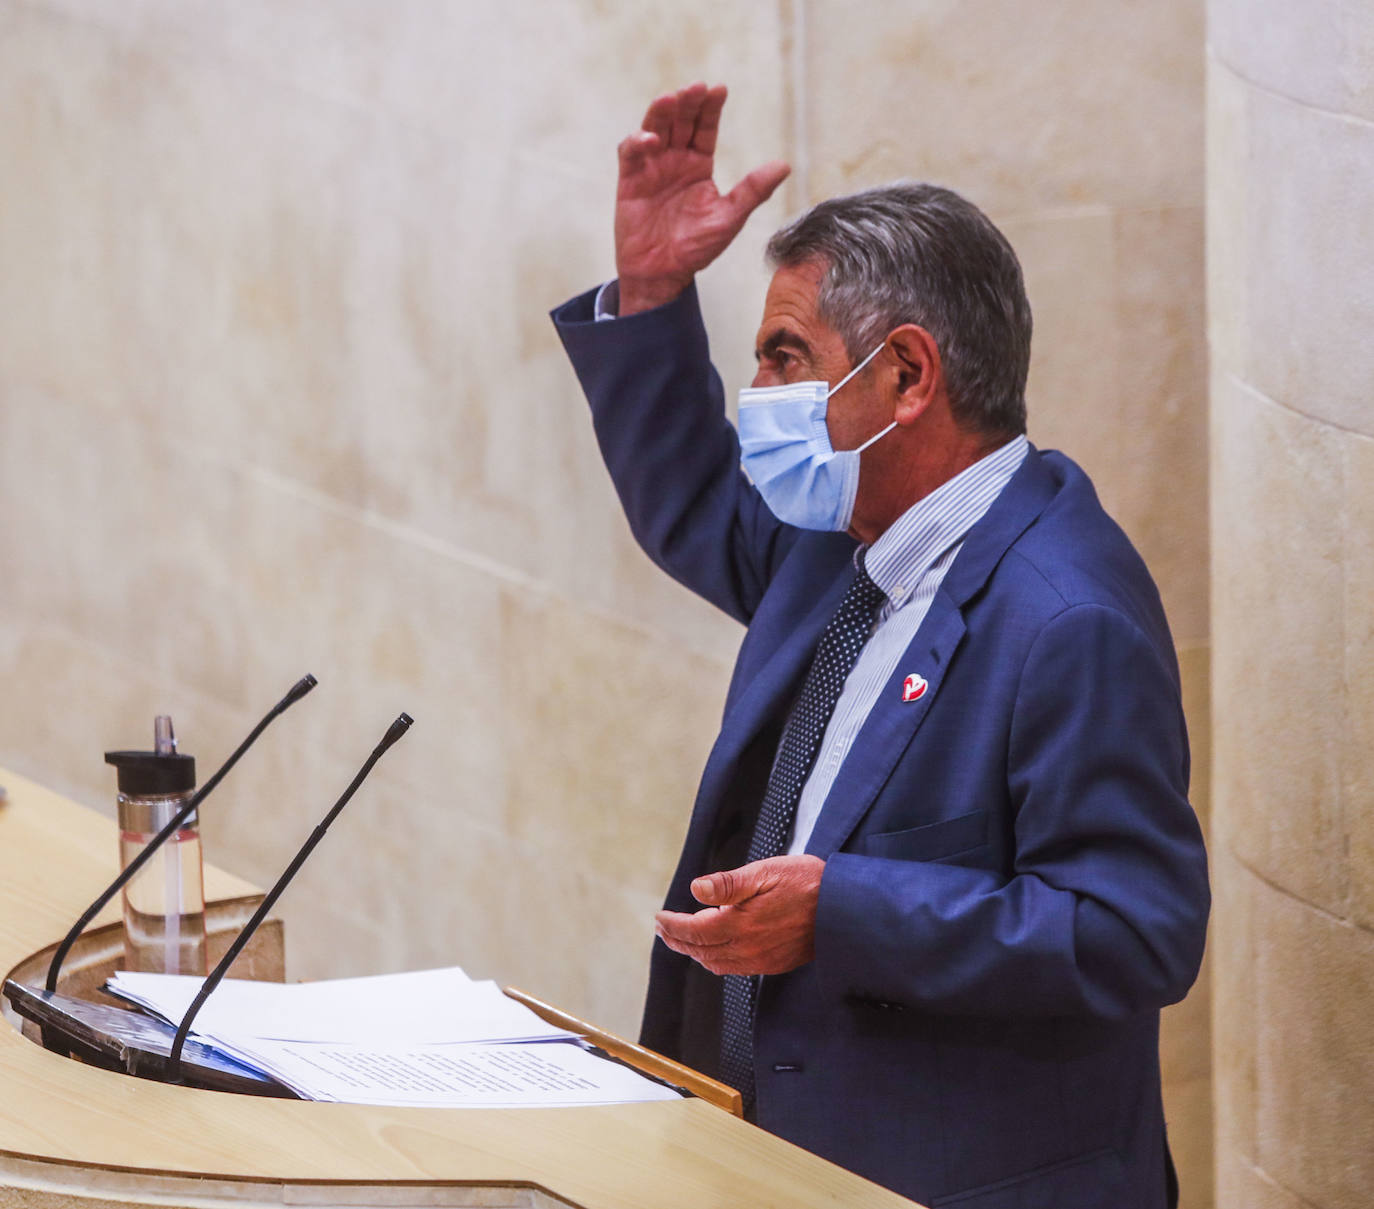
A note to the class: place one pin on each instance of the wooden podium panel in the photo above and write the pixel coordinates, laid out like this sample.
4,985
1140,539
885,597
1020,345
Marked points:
76,1137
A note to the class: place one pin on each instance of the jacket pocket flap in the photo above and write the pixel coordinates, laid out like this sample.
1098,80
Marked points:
931,842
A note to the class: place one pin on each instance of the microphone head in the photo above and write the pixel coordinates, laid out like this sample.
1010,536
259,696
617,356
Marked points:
396,730
299,689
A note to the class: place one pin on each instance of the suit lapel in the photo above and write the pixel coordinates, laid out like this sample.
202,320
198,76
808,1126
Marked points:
892,723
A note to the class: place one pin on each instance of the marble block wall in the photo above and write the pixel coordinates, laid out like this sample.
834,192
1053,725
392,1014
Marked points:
278,393
1291,289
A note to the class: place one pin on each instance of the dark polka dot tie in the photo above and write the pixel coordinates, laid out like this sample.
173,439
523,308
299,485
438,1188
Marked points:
840,644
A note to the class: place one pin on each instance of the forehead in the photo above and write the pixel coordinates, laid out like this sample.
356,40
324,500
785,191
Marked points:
791,320
791,301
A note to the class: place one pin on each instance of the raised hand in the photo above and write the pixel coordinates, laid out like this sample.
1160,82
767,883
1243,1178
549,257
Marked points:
670,220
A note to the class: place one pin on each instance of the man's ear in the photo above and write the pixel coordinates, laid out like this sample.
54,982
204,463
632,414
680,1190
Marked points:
920,372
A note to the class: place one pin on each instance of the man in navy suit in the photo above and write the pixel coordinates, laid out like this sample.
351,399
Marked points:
942,872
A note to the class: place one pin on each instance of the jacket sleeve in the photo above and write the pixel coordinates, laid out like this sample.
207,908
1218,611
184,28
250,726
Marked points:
1105,910
658,409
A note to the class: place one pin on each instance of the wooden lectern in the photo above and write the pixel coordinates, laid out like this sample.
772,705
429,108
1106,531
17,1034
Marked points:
76,1137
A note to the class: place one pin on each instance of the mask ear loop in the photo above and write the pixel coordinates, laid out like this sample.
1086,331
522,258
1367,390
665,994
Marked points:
857,368
850,374
876,437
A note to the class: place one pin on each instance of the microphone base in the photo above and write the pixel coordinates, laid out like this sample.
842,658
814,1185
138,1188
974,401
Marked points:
131,1043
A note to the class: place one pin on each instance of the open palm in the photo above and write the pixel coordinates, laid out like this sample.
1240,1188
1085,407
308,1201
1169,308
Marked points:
670,219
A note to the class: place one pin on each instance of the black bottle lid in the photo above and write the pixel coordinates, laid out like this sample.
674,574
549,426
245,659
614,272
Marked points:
146,773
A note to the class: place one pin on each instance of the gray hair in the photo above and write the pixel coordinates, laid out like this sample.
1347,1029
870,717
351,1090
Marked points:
917,253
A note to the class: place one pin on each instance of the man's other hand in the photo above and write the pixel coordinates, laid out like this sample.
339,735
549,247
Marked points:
670,221
758,919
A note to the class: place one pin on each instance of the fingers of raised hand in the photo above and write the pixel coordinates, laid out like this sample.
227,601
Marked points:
634,149
689,105
687,120
708,120
658,118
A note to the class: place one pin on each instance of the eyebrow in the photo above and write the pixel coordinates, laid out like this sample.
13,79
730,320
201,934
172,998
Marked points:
782,338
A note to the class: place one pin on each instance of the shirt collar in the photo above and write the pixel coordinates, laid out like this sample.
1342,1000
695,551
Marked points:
917,539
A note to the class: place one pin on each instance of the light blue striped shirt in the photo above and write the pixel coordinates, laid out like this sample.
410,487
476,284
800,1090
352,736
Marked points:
908,562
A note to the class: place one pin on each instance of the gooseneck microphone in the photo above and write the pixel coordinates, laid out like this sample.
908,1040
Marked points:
173,1069
298,690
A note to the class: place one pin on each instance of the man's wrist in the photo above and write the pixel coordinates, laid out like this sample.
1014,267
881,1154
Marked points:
647,294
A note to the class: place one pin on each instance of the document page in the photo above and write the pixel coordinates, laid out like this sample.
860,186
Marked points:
424,1006
534,1075
429,1038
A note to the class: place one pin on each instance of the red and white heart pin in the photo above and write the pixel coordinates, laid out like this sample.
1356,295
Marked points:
914,687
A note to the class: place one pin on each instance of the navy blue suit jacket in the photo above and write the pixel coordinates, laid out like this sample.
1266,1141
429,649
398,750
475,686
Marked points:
1015,882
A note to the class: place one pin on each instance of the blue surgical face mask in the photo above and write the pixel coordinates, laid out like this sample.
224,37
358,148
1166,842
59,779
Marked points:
785,450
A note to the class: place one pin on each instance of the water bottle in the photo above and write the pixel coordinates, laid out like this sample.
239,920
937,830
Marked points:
164,903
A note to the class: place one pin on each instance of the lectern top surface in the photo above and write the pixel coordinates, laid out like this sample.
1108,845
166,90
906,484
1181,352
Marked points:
80,1128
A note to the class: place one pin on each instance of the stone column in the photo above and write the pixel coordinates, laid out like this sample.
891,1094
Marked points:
1291,302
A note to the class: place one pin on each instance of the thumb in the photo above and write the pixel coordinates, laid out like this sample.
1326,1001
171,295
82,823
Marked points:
757,187
725,888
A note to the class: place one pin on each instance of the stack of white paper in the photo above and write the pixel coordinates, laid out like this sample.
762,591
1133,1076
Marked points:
547,1074
421,1005
429,1037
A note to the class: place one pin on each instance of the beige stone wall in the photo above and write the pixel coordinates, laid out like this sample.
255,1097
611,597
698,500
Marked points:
278,393
1291,279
